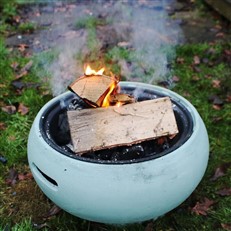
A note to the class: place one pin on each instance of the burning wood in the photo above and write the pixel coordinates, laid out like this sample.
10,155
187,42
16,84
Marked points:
93,88
121,99
102,128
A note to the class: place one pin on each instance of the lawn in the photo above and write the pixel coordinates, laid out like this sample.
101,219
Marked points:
200,72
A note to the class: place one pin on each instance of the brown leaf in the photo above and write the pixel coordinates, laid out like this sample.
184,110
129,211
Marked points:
22,47
2,126
175,79
14,65
220,35
53,211
21,74
180,60
12,177
226,226
9,109
201,208
196,60
216,83
217,107
149,227
220,171
25,176
195,78
22,109
228,98
224,192
196,69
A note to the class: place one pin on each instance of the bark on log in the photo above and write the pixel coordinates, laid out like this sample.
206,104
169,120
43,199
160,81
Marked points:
102,128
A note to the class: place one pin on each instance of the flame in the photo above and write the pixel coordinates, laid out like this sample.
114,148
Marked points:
118,104
90,71
106,101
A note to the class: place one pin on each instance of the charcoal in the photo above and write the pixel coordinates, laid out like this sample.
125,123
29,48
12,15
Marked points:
131,153
62,136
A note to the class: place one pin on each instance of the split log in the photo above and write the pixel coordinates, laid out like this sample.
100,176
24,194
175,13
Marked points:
102,128
121,98
93,88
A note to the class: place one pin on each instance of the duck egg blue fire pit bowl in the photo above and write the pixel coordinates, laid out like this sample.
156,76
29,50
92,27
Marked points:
119,191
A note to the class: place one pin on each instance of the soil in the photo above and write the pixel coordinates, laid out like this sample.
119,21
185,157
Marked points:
55,23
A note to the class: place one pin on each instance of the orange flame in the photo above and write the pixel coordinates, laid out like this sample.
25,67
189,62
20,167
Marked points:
89,71
106,101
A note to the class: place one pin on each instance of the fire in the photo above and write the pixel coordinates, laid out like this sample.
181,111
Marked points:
106,101
90,71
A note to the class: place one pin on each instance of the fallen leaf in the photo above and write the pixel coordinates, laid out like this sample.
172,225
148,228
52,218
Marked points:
228,98
195,78
12,138
226,226
220,171
19,85
201,208
217,119
216,83
180,60
196,60
17,18
215,100
224,192
205,60
196,69
217,107
9,109
22,47
2,126
22,109
25,176
14,65
40,226
21,75
53,211
220,35
124,44
149,227
175,79
12,178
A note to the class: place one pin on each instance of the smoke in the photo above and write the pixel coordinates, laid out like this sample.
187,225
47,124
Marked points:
143,26
153,38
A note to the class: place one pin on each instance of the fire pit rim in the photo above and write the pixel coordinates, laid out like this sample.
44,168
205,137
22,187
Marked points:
159,90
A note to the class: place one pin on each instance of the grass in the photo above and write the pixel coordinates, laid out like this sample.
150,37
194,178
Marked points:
23,205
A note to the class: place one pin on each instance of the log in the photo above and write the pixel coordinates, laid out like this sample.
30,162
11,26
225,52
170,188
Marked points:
102,128
92,88
121,98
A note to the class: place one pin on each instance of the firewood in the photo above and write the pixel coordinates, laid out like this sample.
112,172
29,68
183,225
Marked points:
92,88
121,98
102,128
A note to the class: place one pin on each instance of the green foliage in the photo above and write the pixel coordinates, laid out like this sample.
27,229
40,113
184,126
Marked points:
27,27
89,22
9,9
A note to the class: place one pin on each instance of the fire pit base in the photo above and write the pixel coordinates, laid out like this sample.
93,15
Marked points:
124,191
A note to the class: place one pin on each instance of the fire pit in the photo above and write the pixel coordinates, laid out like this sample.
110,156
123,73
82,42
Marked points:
118,190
